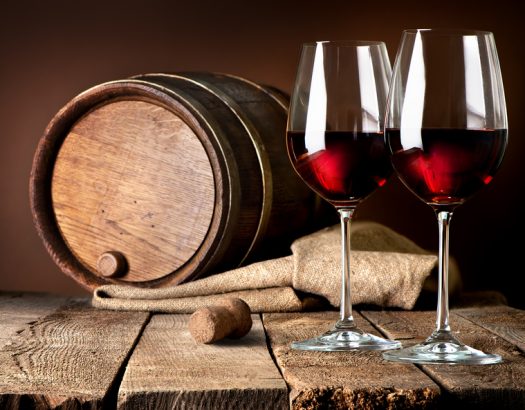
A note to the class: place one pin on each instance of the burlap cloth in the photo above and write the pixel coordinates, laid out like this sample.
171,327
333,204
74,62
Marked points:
387,269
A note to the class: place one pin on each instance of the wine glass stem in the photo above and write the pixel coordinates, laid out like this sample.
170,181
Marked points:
442,324
346,319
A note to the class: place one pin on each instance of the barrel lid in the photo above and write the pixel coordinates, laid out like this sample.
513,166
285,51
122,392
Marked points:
132,178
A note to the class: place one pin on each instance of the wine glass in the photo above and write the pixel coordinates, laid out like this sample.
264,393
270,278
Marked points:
335,143
446,130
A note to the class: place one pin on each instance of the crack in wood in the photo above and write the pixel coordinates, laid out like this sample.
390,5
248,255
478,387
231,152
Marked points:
111,398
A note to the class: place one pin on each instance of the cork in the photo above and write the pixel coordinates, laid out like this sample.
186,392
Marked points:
228,317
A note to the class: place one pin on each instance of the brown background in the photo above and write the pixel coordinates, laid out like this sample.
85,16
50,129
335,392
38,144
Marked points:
50,51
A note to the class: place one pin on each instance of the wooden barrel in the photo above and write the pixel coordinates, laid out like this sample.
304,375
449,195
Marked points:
162,178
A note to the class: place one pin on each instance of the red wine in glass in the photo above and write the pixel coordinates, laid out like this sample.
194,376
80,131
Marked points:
451,165
349,167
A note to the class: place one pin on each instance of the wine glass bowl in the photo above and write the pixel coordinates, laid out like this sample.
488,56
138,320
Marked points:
335,142
335,136
446,132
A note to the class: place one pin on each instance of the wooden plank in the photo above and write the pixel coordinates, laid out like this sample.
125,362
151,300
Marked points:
17,310
505,321
168,369
68,359
500,386
353,380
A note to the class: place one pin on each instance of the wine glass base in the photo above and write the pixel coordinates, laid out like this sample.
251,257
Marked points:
337,340
441,352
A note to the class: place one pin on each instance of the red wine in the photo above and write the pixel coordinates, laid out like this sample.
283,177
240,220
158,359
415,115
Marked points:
448,165
343,167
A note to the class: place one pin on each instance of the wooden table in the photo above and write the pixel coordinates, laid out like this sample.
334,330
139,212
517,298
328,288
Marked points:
58,352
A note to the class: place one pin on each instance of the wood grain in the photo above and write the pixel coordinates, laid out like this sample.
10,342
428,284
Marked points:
132,177
353,380
500,386
168,369
505,321
68,359
19,310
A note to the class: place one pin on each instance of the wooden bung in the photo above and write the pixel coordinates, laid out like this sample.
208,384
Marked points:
112,264
162,178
